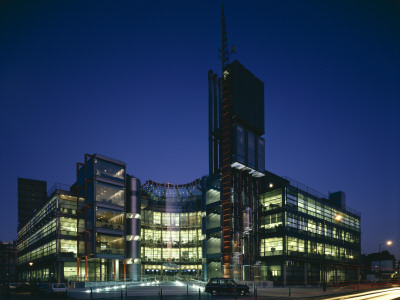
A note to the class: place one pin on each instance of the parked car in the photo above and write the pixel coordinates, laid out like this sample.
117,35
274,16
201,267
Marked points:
219,286
40,289
58,288
13,286
24,287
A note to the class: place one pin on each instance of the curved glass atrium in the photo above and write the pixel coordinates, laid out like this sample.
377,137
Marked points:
171,229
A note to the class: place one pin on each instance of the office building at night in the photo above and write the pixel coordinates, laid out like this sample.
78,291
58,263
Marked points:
93,239
236,166
260,226
305,236
120,230
47,242
108,228
240,221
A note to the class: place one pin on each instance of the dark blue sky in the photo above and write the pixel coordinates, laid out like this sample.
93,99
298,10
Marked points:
128,79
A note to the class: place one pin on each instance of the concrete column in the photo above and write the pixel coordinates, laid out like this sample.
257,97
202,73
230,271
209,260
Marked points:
134,271
116,269
305,273
133,229
59,270
284,273
335,275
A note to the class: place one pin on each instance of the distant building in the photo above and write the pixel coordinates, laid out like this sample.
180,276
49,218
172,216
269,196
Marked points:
381,266
31,196
8,261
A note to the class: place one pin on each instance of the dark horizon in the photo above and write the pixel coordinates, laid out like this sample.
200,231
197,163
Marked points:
129,80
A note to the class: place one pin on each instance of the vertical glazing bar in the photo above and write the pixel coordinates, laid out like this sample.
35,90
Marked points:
77,268
115,270
124,269
86,267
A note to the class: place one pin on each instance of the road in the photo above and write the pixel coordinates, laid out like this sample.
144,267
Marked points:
383,294
148,293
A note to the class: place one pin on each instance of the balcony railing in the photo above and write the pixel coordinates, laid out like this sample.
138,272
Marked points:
58,186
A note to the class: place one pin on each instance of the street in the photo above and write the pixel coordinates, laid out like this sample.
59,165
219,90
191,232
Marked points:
173,293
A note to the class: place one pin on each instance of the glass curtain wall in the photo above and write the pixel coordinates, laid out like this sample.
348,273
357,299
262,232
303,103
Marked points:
305,231
212,247
51,233
171,237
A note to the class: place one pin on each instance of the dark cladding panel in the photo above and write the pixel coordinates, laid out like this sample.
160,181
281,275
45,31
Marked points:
90,192
90,168
338,199
32,194
238,91
259,103
247,97
250,99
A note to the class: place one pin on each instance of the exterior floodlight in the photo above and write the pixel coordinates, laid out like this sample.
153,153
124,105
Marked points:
31,263
389,243
338,217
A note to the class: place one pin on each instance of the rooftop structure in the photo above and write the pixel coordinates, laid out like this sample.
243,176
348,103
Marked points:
31,196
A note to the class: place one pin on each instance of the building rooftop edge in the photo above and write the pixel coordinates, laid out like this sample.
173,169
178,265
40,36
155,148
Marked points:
107,158
168,184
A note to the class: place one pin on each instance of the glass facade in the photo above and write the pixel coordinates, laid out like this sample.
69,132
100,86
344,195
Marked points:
110,244
260,154
110,194
308,237
110,170
110,219
102,218
48,240
171,230
251,150
240,149
163,231
212,266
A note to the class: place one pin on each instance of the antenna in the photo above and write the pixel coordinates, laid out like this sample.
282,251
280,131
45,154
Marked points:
225,49
225,52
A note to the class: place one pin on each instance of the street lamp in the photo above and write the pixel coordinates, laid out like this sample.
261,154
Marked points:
338,218
387,243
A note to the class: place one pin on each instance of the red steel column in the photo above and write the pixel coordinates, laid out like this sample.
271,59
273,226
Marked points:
226,180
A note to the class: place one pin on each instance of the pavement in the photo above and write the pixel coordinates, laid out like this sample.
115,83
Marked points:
191,291
181,290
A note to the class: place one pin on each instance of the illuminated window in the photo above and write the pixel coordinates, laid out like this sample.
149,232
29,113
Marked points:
157,218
